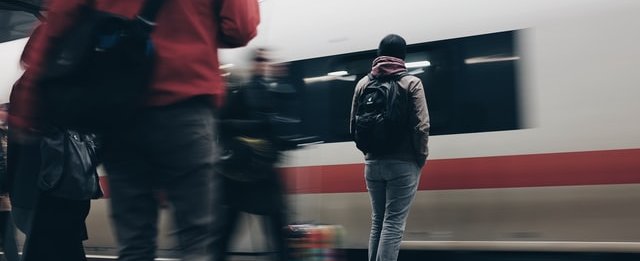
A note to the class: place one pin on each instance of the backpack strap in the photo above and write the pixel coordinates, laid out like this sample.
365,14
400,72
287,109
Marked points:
149,11
401,75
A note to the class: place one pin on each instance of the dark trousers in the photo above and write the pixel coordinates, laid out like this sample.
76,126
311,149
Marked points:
57,230
171,148
264,198
8,233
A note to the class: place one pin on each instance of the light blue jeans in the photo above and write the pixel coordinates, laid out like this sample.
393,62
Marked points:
392,185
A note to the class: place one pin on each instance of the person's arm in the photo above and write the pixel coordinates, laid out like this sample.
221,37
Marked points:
354,104
420,121
25,99
239,21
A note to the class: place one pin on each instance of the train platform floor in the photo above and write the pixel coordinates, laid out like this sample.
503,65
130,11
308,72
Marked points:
410,255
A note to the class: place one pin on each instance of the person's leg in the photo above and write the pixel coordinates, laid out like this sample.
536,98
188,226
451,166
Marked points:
134,209
82,256
193,217
24,220
57,230
377,193
402,183
171,147
36,246
276,220
73,214
157,151
274,227
181,145
23,169
60,230
9,237
83,208
4,216
224,235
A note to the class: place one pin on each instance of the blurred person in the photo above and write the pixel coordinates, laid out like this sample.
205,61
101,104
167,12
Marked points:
393,161
7,229
54,226
170,144
251,182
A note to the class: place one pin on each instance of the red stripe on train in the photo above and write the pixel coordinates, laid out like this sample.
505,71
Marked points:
534,170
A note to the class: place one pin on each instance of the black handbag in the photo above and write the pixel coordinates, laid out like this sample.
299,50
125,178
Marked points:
68,167
97,71
248,159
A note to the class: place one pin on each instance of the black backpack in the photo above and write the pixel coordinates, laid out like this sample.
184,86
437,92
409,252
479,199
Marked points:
381,114
98,71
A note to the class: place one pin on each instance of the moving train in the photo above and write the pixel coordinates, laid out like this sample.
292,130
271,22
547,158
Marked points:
535,141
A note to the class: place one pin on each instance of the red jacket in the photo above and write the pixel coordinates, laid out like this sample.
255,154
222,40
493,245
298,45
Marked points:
187,38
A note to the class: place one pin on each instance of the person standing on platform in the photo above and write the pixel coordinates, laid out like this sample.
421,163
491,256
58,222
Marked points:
390,125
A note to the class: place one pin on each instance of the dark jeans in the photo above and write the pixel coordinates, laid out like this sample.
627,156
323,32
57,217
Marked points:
264,198
57,230
8,233
171,148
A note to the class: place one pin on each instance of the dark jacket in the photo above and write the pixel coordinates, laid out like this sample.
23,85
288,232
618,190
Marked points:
413,147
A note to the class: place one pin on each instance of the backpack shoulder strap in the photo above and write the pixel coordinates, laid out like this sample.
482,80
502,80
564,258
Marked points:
401,75
371,78
149,11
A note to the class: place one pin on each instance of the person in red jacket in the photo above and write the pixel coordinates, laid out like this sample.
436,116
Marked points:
172,144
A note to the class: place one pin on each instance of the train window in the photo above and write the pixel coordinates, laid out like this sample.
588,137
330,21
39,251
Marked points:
470,85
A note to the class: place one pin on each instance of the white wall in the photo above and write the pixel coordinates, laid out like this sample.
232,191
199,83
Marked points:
10,66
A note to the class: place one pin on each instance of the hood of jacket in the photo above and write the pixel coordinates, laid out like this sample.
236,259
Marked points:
387,65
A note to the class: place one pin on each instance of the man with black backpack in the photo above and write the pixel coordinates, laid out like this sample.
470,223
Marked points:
390,125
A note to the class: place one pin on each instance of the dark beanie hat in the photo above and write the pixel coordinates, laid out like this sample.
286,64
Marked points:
393,45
